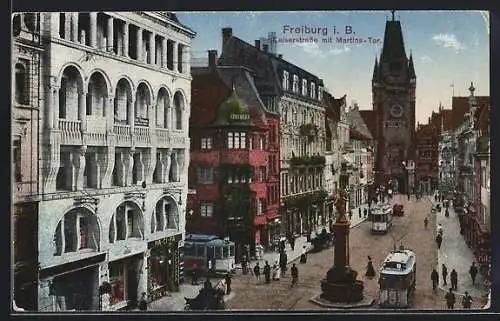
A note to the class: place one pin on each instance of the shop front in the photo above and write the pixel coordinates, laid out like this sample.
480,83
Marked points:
163,266
73,286
124,276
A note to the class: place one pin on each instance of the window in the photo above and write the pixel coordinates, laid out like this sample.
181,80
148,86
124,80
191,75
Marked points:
261,206
21,83
126,223
262,142
206,143
304,87
206,209
117,281
295,87
313,90
76,231
286,80
205,175
263,173
16,158
236,140
320,93
83,231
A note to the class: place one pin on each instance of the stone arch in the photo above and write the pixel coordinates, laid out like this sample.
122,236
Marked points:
163,117
179,105
71,91
97,93
143,100
109,84
126,222
78,230
148,85
165,214
123,100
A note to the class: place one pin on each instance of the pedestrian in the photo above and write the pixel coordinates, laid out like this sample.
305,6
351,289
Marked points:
454,279
228,283
292,243
267,272
283,262
207,285
440,229
426,222
244,265
359,212
256,271
194,274
350,214
370,271
439,240
435,280
450,299
466,301
276,272
365,212
143,302
295,275
303,256
473,272
444,273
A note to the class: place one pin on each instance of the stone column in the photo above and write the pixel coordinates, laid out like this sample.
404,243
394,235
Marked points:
140,53
151,164
108,169
74,27
185,60
125,39
111,39
152,48
82,107
168,122
79,162
164,53
93,29
67,25
168,163
54,24
131,111
159,166
174,56
109,104
130,167
120,168
94,174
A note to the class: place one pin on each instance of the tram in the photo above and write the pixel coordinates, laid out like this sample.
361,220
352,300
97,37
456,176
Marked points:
397,279
199,249
381,218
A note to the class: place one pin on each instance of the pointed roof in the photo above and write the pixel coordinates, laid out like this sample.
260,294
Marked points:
370,119
460,106
234,105
333,106
375,71
411,68
354,118
393,48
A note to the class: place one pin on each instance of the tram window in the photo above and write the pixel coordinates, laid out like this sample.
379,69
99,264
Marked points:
200,250
377,218
225,252
231,250
188,249
218,252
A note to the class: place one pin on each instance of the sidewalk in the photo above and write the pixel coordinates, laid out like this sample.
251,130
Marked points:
455,254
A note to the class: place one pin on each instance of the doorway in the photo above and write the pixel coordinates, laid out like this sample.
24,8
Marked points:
132,283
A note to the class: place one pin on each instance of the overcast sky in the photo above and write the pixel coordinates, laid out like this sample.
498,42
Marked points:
450,48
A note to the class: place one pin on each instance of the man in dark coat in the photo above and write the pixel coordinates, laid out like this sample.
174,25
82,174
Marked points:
143,302
256,271
228,283
450,299
295,274
444,273
466,301
439,240
359,212
283,262
244,265
435,279
267,272
473,272
454,279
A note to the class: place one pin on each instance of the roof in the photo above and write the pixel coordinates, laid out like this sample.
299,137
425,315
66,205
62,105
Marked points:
333,106
354,118
233,106
393,48
355,134
460,106
370,119
483,120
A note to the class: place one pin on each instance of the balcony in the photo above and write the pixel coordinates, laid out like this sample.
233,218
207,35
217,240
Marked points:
142,136
170,138
71,132
123,135
308,161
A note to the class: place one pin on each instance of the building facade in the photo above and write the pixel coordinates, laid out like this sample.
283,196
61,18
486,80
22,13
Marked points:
114,158
297,95
427,157
393,90
234,168
26,97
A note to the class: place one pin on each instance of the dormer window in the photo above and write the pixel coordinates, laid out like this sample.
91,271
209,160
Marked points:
313,90
286,80
304,87
320,93
295,87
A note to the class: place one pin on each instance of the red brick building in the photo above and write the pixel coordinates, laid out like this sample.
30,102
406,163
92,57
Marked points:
234,157
427,157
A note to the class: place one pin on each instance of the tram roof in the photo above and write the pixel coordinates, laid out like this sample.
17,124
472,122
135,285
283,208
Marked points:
398,262
206,238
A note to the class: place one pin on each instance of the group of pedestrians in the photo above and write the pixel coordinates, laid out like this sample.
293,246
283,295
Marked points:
450,296
274,273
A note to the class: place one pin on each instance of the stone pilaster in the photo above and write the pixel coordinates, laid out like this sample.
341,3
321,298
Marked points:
51,161
150,164
168,164
129,157
79,163
109,156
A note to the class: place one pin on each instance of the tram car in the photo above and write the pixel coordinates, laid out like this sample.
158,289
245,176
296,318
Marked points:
397,279
208,254
381,218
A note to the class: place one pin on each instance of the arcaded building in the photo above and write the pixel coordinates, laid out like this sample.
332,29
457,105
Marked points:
113,158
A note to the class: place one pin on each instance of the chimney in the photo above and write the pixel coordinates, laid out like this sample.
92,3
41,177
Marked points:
212,59
265,47
226,34
257,44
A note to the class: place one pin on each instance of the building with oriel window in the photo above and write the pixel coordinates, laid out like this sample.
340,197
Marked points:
113,158
26,66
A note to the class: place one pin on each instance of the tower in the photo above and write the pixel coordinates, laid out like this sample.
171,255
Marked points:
393,90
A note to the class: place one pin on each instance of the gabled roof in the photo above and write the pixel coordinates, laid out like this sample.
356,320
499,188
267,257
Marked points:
370,119
460,106
355,134
354,118
333,106
393,48
483,121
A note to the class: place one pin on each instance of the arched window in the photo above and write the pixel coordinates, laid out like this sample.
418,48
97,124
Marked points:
97,94
142,101
22,87
165,215
126,223
77,231
179,107
162,105
123,98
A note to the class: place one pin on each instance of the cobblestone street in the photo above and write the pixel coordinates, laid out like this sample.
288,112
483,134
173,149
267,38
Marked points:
251,295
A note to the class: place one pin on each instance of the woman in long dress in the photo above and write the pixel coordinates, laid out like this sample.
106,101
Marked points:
370,271
276,272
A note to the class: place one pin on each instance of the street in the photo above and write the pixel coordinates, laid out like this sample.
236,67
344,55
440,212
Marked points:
251,295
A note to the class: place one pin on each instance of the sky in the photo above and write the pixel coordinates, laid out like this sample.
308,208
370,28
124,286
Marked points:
450,49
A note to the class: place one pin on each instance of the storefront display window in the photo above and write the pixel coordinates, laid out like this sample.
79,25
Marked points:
158,272
117,281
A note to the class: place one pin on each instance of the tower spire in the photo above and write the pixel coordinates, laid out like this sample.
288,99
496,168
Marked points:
392,12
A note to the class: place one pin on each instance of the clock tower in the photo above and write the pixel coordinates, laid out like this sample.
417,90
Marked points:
393,92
